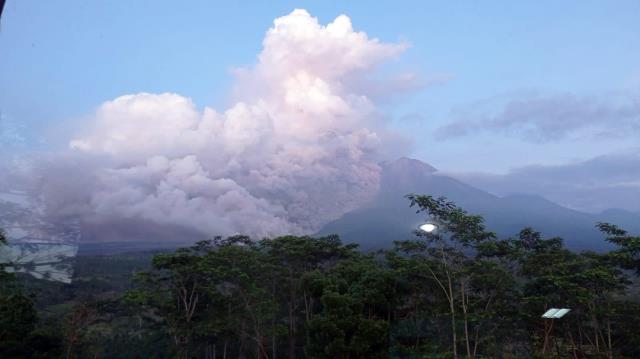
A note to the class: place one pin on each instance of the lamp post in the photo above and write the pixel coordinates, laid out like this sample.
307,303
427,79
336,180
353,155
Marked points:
551,314
446,283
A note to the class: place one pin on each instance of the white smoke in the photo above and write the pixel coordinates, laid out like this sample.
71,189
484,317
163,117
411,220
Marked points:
298,149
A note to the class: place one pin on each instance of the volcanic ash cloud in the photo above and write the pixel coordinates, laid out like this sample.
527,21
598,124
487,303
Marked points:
298,149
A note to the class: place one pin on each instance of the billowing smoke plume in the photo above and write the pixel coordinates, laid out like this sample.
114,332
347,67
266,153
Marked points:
299,147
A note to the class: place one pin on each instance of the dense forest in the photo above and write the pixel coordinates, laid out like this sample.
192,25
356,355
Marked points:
456,292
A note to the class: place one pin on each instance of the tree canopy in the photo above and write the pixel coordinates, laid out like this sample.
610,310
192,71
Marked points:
456,292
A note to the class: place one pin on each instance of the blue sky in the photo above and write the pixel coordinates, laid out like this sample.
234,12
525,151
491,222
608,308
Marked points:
60,61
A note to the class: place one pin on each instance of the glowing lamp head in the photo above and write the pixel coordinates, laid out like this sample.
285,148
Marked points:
428,227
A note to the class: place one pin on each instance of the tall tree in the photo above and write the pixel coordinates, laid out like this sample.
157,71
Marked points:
445,256
354,302
292,258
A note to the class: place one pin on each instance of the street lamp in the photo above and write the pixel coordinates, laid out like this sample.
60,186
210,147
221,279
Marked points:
428,227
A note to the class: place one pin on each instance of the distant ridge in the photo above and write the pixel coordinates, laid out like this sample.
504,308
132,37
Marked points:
388,217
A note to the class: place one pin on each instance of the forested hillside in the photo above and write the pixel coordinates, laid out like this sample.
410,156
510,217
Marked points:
456,292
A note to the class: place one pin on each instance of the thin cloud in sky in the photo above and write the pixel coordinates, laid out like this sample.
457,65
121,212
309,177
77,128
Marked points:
10,133
549,118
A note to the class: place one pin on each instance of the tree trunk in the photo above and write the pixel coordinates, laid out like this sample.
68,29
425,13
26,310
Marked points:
580,340
466,320
454,337
307,307
596,326
291,339
609,338
69,347
574,350
273,346
273,321
243,339
547,333
475,342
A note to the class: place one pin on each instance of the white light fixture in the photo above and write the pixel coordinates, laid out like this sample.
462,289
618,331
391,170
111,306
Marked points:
428,227
555,313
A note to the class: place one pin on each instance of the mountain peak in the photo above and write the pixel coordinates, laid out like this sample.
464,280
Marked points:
408,165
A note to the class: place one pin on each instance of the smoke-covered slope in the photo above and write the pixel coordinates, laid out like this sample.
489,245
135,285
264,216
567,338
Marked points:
389,217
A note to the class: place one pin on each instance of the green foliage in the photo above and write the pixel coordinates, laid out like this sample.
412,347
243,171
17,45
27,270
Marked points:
628,252
17,318
17,313
356,298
